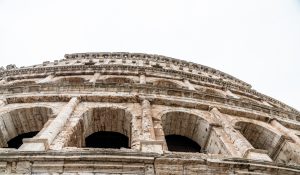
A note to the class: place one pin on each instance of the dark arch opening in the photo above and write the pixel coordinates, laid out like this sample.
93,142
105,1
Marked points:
107,139
179,143
17,141
260,137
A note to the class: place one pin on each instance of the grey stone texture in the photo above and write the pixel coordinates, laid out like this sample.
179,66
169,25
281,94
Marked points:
144,97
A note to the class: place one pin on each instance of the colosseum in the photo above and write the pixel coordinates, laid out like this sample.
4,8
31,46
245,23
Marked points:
132,113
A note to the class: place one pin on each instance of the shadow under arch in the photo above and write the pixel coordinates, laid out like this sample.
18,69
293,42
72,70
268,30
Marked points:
20,121
107,139
181,144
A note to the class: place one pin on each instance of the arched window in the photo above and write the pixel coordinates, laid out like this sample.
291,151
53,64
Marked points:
22,123
260,137
184,131
107,127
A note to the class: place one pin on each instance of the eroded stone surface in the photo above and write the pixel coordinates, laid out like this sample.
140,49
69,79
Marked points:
145,98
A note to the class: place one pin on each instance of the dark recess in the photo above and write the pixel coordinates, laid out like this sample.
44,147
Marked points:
107,139
179,143
16,142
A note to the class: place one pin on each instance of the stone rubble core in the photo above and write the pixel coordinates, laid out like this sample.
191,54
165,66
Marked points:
145,98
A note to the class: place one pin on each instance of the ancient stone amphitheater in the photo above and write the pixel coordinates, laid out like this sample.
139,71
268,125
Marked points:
132,113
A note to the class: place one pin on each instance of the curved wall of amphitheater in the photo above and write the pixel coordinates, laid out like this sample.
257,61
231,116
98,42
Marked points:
131,113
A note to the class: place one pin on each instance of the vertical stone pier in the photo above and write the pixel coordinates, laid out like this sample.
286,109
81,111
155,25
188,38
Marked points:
47,79
142,79
3,102
95,78
285,131
245,149
188,84
148,142
46,137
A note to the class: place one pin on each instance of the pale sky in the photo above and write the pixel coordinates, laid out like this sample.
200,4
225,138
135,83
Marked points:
257,41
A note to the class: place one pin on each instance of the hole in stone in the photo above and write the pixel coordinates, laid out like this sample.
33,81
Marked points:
179,143
16,142
107,139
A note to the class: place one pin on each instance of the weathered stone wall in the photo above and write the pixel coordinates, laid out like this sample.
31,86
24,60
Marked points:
144,97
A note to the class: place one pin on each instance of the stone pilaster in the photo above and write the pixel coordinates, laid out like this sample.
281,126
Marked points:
136,132
239,141
188,84
148,142
3,102
95,78
230,94
42,141
218,130
147,123
47,79
285,131
142,79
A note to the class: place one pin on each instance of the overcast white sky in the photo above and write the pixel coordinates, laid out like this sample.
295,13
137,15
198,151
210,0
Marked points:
257,41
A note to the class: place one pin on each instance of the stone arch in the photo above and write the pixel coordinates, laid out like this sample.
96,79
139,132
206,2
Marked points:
204,114
107,119
21,121
166,83
250,100
260,135
211,91
186,124
118,80
70,80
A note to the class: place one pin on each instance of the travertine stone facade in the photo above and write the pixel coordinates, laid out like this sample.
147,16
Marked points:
146,99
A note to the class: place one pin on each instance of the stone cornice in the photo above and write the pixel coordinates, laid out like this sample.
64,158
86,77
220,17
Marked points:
151,57
84,159
110,68
137,56
46,68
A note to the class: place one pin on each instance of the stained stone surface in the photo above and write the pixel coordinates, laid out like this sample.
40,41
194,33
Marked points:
145,98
